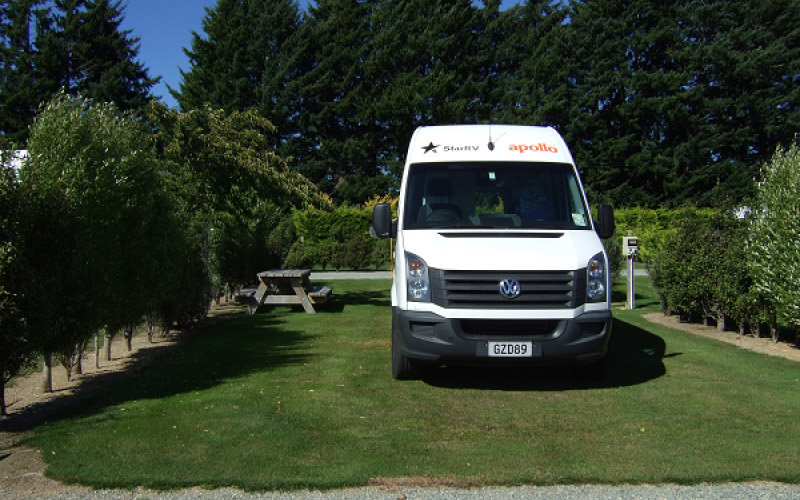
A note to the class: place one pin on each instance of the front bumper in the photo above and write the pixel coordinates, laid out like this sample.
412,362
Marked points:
429,338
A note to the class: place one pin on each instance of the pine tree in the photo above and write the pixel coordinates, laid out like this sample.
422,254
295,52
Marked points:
535,65
428,63
98,59
625,84
677,101
337,149
112,73
18,92
245,60
746,64
77,45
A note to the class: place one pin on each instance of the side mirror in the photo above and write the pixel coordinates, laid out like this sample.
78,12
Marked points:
604,225
382,226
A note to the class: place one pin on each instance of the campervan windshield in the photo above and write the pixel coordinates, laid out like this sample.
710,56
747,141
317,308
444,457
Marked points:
494,195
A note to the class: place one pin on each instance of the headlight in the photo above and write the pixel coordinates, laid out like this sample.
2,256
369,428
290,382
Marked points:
596,279
419,289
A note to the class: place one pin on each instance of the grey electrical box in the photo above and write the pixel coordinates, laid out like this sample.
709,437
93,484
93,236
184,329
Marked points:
630,245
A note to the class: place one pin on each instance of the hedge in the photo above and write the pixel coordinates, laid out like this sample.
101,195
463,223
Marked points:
738,267
338,239
655,228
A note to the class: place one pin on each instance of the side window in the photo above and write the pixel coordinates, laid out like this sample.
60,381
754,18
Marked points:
579,217
415,199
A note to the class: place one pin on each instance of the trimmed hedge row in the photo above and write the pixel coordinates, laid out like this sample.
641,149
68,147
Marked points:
738,267
656,228
338,239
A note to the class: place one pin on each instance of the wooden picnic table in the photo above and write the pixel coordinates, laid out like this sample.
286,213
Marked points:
287,287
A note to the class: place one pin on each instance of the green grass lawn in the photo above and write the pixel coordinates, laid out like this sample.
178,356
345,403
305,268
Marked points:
287,400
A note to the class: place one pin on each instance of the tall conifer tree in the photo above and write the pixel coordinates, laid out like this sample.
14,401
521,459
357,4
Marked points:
18,89
534,53
244,61
338,149
625,80
746,81
428,63
75,45
97,58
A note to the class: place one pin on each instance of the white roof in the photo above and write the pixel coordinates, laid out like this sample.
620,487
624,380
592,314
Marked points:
488,143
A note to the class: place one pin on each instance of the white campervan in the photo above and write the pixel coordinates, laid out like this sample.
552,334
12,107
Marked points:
498,259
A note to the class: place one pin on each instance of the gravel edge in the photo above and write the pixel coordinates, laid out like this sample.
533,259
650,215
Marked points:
749,491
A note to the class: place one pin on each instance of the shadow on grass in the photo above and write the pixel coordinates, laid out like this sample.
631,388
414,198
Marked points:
636,358
218,350
343,297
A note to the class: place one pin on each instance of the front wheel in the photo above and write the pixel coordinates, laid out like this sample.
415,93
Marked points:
402,367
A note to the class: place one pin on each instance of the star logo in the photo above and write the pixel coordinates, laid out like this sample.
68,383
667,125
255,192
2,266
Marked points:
430,147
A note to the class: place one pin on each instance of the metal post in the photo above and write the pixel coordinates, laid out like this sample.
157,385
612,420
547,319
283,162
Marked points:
631,291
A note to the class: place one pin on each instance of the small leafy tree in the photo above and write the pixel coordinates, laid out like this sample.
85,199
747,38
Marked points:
774,238
15,348
231,188
681,271
92,181
732,289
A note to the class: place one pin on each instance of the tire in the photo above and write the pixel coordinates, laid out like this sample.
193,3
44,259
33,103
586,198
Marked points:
402,367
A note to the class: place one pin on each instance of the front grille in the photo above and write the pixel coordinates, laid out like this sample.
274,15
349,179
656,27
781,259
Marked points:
478,329
481,289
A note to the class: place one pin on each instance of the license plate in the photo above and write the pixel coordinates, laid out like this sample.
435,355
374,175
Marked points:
510,349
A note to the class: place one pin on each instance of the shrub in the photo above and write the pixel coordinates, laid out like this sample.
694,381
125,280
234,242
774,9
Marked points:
338,237
381,254
680,270
732,284
616,260
298,257
280,240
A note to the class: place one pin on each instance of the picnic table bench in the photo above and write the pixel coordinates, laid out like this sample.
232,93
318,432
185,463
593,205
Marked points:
287,287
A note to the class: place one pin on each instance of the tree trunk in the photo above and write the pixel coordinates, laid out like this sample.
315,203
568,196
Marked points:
775,331
129,337
151,329
47,373
97,350
79,358
721,322
2,391
68,367
108,346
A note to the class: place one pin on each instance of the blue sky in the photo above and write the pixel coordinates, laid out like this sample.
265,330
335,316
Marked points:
164,28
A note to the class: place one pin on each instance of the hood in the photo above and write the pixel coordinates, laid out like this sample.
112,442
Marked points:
503,250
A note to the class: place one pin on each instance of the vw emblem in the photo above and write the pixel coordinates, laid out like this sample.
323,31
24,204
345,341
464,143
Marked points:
509,288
